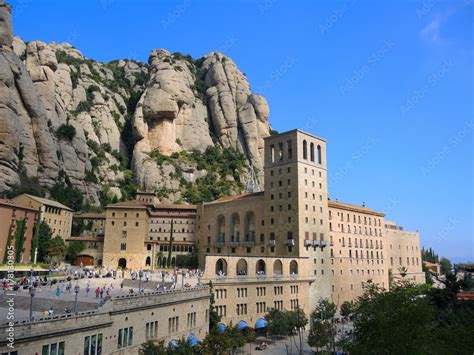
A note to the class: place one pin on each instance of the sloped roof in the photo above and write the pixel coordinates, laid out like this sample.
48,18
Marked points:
350,207
14,204
48,202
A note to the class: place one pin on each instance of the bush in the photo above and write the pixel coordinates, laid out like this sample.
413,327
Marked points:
83,106
66,132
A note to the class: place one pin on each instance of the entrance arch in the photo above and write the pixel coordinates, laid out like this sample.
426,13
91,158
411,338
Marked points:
148,261
122,263
86,260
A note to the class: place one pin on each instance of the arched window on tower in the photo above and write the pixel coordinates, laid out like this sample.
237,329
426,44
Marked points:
305,150
311,151
319,155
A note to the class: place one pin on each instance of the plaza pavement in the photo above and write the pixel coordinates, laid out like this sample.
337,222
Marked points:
45,296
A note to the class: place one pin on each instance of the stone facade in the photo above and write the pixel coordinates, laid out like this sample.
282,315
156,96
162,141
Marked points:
138,233
10,213
57,215
152,316
264,249
357,242
125,233
404,254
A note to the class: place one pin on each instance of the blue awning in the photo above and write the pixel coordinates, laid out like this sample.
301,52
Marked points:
221,327
241,325
261,323
193,340
173,344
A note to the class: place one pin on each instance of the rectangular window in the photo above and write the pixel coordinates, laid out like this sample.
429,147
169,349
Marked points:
125,337
53,349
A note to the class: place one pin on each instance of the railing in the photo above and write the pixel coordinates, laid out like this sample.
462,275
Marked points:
290,242
272,242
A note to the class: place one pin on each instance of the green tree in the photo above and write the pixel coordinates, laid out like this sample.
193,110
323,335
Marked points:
216,343
153,348
78,227
322,325
66,132
44,236
67,195
347,308
395,322
19,239
214,317
445,266
277,322
57,249
320,335
297,322
9,242
74,248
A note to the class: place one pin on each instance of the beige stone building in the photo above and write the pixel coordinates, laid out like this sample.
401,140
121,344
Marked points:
357,240
269,249
404,254
182,218
94,222
57,215
138,233
10,213
125,233
119,327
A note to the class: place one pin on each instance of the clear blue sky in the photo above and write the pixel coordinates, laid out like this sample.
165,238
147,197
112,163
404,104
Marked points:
389,84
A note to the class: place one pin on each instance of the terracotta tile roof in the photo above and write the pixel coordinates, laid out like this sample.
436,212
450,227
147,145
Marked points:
350,207
90,215
13,204
129,204
237,197
48,202
174,207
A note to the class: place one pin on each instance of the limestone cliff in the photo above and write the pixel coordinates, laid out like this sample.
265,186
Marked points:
64,117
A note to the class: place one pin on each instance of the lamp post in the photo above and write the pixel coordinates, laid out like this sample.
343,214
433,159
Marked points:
162,280
31,276
183,275
32,294
140,275
76,292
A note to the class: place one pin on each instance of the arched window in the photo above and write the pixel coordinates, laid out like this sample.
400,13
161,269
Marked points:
122,263
260,269
250,227
148,261
293,267
235,228
311,151
241,267
319,155
221,267
220,229
305,150
277,268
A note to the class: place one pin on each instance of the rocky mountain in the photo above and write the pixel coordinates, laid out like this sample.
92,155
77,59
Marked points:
107,129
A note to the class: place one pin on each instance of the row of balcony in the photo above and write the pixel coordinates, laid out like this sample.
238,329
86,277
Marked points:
314,243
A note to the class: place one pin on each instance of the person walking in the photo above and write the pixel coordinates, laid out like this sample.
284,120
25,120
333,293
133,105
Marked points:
97,292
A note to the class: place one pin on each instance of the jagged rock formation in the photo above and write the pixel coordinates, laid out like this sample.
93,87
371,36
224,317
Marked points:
64,117
189,104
